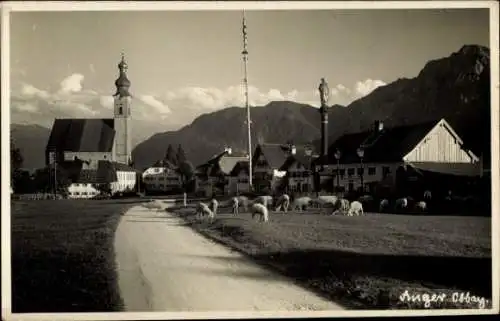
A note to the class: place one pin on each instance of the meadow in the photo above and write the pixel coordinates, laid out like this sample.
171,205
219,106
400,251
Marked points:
63,256
365,262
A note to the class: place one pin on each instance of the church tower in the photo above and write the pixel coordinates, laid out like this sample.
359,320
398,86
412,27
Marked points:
122,115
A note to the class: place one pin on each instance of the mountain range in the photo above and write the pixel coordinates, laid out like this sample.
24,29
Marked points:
456,88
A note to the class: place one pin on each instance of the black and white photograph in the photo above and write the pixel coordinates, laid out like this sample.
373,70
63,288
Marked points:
249,159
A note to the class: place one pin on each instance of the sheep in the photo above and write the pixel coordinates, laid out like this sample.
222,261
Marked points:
265,200
384,204
243,200
421,206
356,208
261,210
427,195
323,200
283,202
203,209
341,207
235,205
214,204
301,202
401,203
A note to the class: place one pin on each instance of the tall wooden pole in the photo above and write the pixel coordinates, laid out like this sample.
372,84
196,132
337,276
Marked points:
247,105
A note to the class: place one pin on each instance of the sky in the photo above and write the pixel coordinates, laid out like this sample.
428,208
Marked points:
186,63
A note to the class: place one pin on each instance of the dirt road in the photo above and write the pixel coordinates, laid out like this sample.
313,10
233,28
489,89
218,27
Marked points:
165,266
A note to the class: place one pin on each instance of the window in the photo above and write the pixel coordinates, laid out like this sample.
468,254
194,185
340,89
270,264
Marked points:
120,110
350,171
372,170
77,193
84,193
385,171
342,172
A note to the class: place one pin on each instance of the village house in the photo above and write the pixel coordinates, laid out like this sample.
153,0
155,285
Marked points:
402,158
281,167
238,179
213,177
162,177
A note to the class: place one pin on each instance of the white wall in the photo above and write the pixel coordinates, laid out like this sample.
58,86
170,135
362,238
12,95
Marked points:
126,181
82,190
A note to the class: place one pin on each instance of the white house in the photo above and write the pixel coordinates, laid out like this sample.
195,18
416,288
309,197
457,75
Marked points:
162,179
120,177
395,157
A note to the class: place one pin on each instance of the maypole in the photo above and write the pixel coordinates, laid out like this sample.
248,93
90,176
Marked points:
247,105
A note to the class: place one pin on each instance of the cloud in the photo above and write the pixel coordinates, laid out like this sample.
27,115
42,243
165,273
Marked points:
363,88
72,84
92,68
169,110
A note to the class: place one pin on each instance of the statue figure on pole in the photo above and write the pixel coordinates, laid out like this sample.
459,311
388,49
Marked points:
324,92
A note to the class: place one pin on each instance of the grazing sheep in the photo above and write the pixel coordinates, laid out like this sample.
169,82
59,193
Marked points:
235,205
214,204
401,203
323,200
341,207
265,200
356,209
427,195
384,204
283,202
261,210
243,201
421,206
301,202
202,210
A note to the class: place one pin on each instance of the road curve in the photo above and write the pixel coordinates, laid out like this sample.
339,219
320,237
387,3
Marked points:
165,266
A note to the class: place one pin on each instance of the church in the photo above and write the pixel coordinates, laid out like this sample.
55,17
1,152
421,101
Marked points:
93,139
96,151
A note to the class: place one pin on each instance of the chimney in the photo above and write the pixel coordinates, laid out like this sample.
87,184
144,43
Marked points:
378,126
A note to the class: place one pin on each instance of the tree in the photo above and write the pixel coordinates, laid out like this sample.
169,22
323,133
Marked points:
170,155
186,172
181,156
104,188
43,180
16,162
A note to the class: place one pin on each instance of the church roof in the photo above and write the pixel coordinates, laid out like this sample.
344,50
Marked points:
82,135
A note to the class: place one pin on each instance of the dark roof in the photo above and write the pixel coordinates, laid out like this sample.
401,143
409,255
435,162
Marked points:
82,135
122,167
388,145
239,167
298,158
275,154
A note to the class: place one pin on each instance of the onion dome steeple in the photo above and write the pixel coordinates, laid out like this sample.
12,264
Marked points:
122,83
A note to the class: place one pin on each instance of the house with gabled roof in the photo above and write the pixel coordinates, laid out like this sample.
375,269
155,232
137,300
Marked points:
162,177
213,176
280,167
238,179
395,157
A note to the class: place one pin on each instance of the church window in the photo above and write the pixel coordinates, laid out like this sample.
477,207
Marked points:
120,110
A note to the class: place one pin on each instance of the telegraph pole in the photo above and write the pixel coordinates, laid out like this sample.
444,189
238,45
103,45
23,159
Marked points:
55,173
247,105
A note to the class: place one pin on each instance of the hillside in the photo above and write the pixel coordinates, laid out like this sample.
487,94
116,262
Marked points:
278,121
31,140
456,88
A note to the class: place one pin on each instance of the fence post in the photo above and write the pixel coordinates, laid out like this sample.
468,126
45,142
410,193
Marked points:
185,199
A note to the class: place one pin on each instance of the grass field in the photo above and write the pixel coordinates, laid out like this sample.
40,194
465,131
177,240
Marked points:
63,257
369,261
